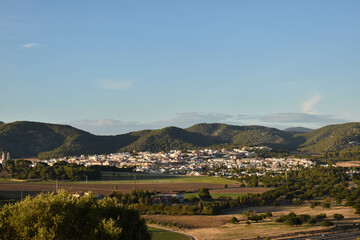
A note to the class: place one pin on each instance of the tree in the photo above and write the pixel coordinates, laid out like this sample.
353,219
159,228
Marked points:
204,194
63,216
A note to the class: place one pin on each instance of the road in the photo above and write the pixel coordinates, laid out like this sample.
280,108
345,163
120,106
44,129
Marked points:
347,235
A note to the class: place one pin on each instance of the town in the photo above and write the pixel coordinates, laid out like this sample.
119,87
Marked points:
211,162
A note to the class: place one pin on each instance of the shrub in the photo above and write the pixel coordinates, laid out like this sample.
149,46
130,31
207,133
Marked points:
326,205
268,214
326,223
304,217
312,220
320,216
233,220
314,204
338,216
293,221
256,218
297,202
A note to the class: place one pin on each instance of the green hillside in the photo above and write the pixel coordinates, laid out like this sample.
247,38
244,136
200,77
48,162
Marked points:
31,139
170,138
331,138
248,135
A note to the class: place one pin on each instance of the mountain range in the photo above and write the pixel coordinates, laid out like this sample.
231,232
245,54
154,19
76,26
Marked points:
44,140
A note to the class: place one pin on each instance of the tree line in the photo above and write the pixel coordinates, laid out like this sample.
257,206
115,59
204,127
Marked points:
22,169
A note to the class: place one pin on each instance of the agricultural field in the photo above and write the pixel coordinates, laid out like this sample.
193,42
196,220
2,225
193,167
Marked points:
161,178
217,227
160,183
161,234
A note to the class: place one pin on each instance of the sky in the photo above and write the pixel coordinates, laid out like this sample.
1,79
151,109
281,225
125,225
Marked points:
112,67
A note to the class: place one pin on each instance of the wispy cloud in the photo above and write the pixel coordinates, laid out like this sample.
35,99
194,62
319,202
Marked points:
112,126
299,118
187,119
108,126
308,106
114,85
29,45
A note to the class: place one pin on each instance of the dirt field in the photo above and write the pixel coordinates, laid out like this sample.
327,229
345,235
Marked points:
348,164
216,227
103,188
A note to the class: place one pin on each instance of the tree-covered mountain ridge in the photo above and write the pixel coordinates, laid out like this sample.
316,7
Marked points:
45,140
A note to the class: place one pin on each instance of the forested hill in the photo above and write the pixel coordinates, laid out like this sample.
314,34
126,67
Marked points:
31,139
332,138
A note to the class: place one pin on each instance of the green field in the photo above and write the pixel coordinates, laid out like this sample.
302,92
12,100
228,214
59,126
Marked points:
216,195
157,178
160,234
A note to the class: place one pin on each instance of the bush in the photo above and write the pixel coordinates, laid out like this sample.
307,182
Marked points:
293,221
297,202
314,204
233,220
326,223
326,205
304,217
255,218
320,216
312,220
338,216
268,214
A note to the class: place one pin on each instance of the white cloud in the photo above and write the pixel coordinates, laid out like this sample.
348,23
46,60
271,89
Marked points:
190,118
299,118
111,126
308,106
108,126
114,85
29,45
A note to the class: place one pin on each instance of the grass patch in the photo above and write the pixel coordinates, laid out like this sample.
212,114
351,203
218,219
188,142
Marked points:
161,234
152,178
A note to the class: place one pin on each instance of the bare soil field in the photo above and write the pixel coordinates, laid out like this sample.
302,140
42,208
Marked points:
348,164
216,227
102,188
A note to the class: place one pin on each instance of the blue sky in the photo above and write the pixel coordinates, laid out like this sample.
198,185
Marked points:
112,67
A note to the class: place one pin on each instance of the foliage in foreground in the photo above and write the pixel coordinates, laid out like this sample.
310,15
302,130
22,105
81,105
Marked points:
63,216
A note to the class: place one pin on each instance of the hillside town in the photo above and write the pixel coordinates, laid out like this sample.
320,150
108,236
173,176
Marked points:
193,162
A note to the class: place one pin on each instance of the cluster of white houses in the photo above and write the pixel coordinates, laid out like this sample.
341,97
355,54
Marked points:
193,162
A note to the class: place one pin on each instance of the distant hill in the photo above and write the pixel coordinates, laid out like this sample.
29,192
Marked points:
298,129
30,139
169,138
246,135
331,138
